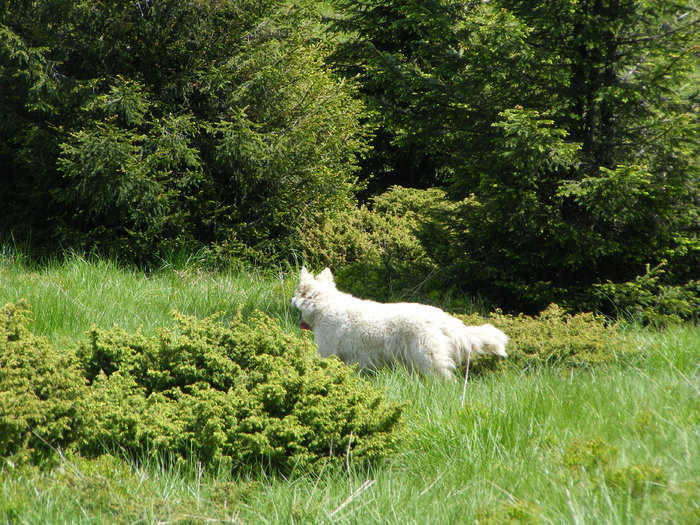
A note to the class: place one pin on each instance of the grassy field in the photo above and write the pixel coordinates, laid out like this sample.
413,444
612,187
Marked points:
618,443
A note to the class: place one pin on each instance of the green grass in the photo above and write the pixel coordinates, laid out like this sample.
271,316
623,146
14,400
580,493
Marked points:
615,444
68,297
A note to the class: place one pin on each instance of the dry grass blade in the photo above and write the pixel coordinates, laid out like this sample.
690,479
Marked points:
367,484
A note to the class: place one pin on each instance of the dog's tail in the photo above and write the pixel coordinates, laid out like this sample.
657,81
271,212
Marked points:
484,340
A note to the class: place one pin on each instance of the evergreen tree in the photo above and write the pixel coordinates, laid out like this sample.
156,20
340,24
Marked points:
573,124
143,127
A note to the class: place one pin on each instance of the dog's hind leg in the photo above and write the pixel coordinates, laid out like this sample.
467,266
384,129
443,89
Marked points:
435,357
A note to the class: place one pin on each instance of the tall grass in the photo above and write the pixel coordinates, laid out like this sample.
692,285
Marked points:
615,444
504,457
70,295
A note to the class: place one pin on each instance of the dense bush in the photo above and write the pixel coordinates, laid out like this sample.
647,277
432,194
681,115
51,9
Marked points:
42,390
647,299
555,337
382,231
246,395
379,249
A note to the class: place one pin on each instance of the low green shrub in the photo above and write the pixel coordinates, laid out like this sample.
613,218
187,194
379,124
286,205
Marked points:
636,478
42,390
378,250
648,300
596,456
588,455
554,336
517,512
246,396
385,230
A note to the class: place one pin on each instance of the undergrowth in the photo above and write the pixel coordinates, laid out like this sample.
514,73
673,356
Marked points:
555,337
248,396
585,422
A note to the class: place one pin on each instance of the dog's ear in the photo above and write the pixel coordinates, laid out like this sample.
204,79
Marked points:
305,276
325,276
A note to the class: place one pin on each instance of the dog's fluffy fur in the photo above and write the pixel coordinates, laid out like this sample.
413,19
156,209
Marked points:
423,337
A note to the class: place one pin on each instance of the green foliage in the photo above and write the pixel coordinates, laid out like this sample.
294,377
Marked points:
648,300
379,249
636,478
571,125
382,231
42,392
588,455
596,455
554,336
511,513
375,247
247,396
146,128
565,134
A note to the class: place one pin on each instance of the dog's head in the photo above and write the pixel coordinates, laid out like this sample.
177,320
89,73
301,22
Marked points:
306,295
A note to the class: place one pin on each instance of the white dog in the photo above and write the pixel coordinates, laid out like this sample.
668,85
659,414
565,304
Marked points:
368,333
